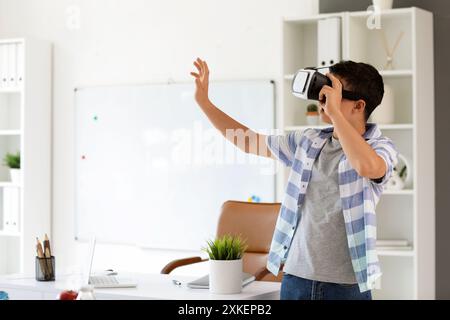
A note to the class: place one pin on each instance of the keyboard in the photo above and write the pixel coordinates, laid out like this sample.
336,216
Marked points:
103,280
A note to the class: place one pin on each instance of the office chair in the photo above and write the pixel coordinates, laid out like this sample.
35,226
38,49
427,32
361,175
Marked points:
255,222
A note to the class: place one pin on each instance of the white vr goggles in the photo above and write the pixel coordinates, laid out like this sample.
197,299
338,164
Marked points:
308,82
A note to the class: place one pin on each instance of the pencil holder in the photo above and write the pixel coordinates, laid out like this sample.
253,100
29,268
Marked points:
45,269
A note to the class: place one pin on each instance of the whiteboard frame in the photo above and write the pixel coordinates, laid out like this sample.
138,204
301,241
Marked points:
169,82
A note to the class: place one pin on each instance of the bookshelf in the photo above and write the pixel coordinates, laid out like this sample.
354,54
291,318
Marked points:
25,127
407,214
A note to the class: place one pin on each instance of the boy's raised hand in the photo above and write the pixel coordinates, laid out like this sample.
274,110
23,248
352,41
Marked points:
201,82
223,122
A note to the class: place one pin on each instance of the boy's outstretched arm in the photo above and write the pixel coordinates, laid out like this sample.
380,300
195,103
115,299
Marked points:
362,157
245,139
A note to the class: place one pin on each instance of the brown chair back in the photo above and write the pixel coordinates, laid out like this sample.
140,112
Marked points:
254,222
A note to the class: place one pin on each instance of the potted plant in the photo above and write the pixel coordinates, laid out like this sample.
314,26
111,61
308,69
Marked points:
13,162
312,114
225,264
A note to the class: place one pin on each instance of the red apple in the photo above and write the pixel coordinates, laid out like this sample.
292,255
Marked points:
68,295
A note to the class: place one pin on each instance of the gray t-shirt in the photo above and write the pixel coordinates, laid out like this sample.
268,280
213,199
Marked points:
319,249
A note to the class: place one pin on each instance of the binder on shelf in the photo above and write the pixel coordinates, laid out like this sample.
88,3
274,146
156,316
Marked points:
11,209
322,40
12,66
392,243
6,210
394,248
3,65
328,41
7,65
20,63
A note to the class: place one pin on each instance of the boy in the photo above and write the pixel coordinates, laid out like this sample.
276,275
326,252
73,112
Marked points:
326,231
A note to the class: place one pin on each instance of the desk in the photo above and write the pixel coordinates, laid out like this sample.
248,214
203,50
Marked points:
150,286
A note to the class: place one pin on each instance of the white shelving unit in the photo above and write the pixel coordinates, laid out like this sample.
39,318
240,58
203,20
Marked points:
25,126
407,214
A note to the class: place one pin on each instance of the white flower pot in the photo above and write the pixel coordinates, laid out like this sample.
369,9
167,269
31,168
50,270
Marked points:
15,175
225,276
398,183
383,4
395,182
312,120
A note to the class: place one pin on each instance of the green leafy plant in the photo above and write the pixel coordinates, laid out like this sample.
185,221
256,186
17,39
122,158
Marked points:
226,247
12,160
312,108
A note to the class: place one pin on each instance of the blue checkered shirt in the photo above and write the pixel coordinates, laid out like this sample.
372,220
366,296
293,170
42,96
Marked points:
359,196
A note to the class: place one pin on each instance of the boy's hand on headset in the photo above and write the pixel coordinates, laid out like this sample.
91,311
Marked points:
201,82
332,96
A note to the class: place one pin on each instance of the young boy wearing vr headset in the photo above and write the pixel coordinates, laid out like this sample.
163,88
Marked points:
325,234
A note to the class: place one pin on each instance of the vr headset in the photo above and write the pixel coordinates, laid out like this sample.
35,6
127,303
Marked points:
308,82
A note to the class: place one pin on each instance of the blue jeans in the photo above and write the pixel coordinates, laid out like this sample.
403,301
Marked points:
296,288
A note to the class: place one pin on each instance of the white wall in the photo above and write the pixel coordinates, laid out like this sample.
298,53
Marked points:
133,41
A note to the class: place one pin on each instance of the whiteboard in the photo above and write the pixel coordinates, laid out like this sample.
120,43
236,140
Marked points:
152,171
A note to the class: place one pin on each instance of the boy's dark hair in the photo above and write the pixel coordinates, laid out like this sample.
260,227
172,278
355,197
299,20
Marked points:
364,79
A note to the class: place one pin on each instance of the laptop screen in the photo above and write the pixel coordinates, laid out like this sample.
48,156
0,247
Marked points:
89,259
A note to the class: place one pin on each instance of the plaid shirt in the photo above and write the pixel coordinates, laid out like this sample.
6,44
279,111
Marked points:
359,197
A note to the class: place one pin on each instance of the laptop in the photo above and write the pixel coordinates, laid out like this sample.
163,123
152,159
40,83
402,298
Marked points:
103,281
203,282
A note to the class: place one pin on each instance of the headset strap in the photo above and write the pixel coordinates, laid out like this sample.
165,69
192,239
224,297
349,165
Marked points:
349,95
